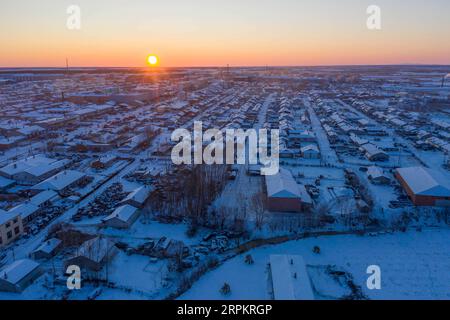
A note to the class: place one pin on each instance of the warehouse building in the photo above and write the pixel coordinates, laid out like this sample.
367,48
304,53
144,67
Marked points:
17,276
61,181
425,187
288,278
33,169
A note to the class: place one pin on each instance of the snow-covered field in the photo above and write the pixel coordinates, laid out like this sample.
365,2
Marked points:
414,265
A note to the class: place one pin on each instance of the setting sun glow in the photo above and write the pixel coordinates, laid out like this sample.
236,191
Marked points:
152,60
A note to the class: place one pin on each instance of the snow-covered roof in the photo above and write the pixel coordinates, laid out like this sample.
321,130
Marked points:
30,129
123,213
139,195
372,150
310,148
43,169
283,185
290,280
25,164
34,165
426,182
375,172
4,182
357,140
48,246
24,209
60,181
18,270
95,249
7,216
42,197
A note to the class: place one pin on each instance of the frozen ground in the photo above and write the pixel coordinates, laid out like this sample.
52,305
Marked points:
414,265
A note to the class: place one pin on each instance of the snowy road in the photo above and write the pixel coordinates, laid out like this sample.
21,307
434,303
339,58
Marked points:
329,156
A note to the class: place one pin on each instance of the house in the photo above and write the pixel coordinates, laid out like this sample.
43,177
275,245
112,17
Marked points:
288,278
17,276
425,187
47,249
122,217
357,140
93,254
61,181
373,153
284,194
377,176
137,197
311,151
295,137
286,153
11,227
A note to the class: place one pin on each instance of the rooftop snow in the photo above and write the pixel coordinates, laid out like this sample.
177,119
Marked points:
42,197
290,279
283,185
36,164
24,209
424,181
123,213
60,181
49,245
139,195
18,270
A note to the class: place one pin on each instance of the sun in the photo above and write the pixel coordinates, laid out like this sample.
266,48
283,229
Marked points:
152,60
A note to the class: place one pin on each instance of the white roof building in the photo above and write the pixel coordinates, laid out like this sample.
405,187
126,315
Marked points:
289,278
282,185
32,169
60,181
122,217
44,196
18,275
138,196
425,182
25,210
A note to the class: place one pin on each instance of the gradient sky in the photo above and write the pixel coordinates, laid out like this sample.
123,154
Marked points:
215,33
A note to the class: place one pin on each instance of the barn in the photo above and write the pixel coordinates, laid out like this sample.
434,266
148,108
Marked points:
425,187
285,195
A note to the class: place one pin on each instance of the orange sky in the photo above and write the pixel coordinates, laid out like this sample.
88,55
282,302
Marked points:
209,33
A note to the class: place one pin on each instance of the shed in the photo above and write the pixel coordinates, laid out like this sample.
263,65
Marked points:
17,276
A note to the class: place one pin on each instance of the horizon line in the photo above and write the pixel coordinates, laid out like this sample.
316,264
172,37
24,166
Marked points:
229,66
